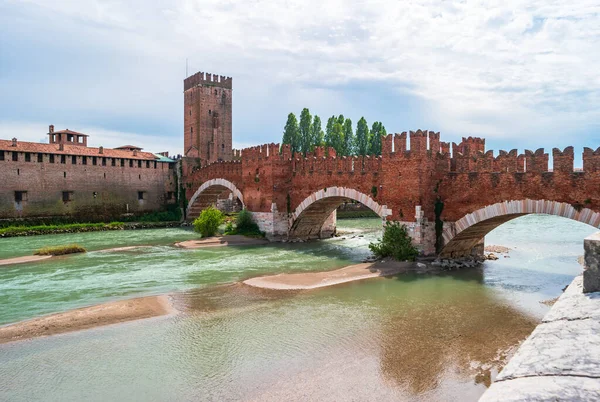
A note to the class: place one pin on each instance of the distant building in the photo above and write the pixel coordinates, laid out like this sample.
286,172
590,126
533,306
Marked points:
67,177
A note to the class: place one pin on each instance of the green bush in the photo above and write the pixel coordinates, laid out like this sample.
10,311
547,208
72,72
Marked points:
245,223
61,250
208,222
396,243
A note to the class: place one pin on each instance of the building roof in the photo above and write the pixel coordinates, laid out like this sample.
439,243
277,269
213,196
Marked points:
37,147
67,131
162,158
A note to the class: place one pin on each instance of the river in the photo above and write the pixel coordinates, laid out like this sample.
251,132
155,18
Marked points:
408,337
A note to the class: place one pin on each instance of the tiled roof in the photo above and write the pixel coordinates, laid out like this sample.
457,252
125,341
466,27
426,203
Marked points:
37,147
67,131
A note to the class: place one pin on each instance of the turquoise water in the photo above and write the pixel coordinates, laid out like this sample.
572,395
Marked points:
409,337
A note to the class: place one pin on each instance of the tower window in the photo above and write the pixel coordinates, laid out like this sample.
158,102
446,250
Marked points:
139,164
73,160
63,159
20,196
103,161
95,194
15,157
147,164
40,157
1,155
130,162
51,158
209,111
94,160
191,130
122,162
140,195
222,146
84,160
67,196
65,175
113,162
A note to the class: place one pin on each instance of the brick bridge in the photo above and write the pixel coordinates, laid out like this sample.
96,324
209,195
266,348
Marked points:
449,202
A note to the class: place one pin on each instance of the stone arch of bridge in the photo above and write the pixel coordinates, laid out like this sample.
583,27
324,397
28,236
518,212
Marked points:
464,236
208,194
307,221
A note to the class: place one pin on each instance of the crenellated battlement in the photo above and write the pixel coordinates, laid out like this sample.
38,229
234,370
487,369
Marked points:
201,78
591,160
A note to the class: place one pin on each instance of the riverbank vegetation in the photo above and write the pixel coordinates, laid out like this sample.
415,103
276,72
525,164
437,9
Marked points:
395,243
61,250
244,225
13,231
303,136
208,222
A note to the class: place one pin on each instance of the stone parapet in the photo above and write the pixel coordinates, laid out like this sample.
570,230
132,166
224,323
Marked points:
560,361
591,274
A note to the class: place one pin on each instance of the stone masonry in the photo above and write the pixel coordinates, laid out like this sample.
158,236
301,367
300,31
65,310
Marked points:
449,202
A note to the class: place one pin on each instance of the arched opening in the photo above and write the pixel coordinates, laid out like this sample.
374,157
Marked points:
315,217
466,236
219,193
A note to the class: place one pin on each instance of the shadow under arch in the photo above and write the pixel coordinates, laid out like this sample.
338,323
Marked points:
464,235
208,194
307,220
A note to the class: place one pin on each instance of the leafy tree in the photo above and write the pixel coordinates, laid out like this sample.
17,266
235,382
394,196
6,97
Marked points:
291,133
337,138
305,131
317,135
362,137
395,243
329,131
341,119
348,137
208,222
377,131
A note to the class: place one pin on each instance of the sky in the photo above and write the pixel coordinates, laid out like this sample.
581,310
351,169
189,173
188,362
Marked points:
521,73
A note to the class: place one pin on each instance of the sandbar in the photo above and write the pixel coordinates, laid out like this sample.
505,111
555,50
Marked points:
230,240
314,280
27,258
87,317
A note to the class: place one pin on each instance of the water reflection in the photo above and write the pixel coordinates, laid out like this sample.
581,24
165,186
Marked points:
463,330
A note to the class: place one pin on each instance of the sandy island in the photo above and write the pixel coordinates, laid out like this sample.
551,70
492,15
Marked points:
313,280
229,240
87,317
27,258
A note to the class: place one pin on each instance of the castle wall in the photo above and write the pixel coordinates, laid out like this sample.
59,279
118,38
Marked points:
412,179
95,192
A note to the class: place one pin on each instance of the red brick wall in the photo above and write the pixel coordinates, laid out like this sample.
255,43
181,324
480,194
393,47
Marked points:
208,117
115,186
405,178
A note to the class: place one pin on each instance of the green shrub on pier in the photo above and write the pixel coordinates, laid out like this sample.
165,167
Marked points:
208,222
244,225
395,243
61,250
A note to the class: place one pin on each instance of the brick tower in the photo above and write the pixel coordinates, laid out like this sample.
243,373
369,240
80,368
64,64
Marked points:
207,117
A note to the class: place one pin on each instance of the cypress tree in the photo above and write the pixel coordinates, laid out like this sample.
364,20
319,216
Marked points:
290,133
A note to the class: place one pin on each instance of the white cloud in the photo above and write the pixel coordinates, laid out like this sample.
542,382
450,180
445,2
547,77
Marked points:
500,68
